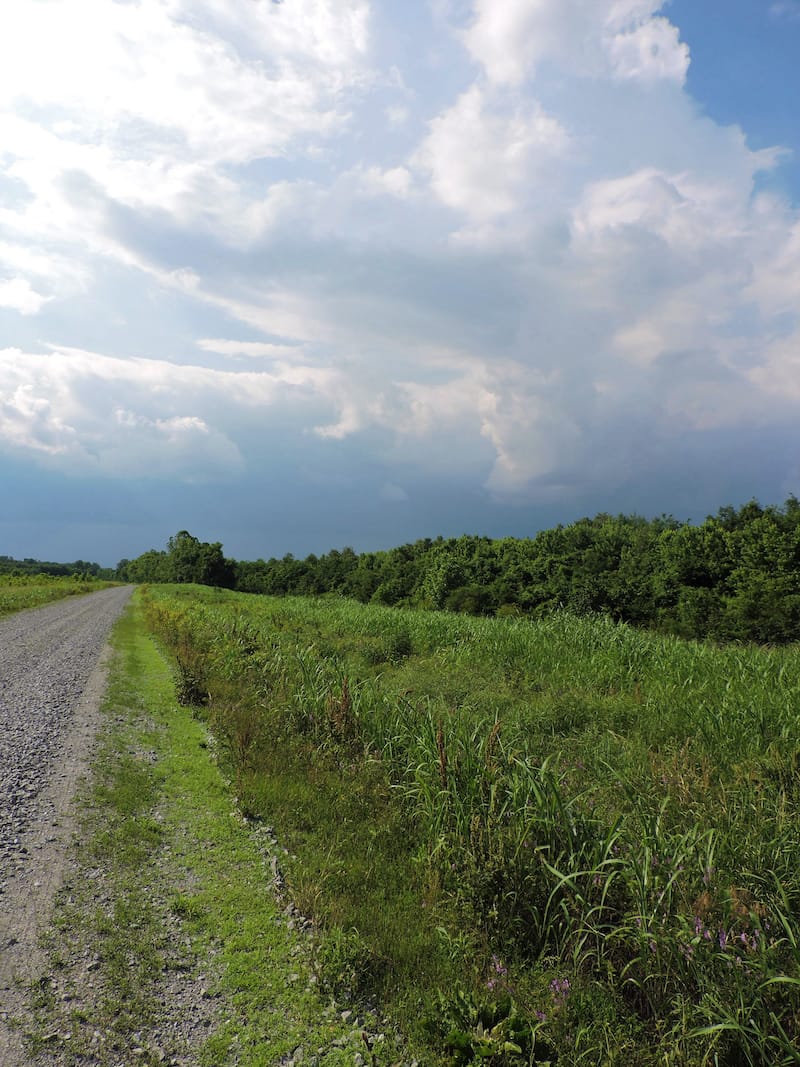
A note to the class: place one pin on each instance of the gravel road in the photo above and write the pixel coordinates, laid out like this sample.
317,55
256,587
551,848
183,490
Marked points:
51,683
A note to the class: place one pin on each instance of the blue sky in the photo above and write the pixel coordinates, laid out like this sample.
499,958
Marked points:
321,272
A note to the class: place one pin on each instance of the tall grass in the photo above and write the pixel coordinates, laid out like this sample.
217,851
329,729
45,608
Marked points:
18,592
604,822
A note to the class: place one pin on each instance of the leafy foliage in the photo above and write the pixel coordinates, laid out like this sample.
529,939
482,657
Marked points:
736,576
34,567
185,560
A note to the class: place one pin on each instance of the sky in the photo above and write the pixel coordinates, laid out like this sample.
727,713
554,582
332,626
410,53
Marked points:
300,274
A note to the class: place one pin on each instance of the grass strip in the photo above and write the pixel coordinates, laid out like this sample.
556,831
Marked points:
18,593
171,917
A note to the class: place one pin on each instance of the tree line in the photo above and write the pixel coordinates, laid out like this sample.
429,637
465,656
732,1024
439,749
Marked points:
735,576
79,569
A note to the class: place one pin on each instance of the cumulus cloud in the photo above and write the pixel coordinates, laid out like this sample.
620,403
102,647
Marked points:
587,38
149,105
481,153
511,275
172,87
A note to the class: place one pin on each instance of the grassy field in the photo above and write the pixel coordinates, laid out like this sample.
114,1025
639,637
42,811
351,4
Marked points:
564,841
33,590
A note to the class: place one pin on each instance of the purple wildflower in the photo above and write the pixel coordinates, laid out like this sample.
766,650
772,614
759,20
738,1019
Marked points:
559,987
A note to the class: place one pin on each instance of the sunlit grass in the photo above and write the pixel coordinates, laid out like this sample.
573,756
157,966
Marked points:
18,592
590,804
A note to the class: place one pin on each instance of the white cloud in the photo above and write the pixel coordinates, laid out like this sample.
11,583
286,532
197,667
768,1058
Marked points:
173,88
151,105
568,252
250,349
586,38
396,181
651,51
482,153
775,279
150,418
16,293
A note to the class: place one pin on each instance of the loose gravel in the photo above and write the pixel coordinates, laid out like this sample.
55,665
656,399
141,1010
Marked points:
46,657
51,682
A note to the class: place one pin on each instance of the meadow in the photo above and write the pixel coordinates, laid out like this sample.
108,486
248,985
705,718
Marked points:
21,591
528,842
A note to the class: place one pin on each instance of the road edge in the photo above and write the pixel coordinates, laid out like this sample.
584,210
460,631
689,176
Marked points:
29,897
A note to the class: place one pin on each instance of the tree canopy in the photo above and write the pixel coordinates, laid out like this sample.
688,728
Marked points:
735,576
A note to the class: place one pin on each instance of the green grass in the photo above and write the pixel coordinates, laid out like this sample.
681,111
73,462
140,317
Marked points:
32,591
597,823
172,881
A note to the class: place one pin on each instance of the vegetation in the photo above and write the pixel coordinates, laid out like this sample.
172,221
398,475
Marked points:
734,577
19,591
170,887
33,567
185,560
555,841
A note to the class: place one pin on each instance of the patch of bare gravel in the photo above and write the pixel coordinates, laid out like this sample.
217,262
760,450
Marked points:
52,678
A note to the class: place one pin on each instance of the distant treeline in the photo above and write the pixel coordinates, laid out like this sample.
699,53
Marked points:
735,576
80,568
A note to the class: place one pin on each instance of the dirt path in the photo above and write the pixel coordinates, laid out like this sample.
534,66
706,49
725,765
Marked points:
52,679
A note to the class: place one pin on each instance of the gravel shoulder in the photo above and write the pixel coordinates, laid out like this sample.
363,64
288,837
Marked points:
53,663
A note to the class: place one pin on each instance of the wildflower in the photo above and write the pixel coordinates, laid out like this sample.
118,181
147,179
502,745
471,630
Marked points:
540,1016
698,925
499,967
559,987
723,939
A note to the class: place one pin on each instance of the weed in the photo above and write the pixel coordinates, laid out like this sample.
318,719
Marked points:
597,806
